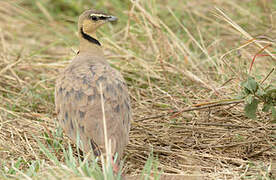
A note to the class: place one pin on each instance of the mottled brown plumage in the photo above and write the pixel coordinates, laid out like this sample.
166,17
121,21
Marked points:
78,98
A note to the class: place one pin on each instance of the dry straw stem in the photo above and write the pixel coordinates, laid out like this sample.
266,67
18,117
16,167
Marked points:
107,159
154,52
243,32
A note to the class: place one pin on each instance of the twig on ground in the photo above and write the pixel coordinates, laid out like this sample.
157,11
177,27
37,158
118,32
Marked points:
177,113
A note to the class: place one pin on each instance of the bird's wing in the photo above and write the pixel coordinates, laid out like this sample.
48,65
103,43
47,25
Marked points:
78,105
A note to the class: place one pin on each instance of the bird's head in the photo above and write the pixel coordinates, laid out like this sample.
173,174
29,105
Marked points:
90,21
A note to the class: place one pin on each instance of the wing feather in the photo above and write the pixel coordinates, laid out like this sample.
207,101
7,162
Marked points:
78,105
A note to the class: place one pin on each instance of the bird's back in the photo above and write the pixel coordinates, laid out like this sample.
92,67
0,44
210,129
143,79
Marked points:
78,104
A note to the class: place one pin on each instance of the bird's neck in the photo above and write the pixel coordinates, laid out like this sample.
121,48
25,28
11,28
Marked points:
89,43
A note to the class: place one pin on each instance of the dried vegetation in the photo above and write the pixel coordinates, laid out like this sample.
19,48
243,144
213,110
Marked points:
174,57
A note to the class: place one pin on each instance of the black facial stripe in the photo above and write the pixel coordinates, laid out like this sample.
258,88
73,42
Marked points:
103,17
96,18
89,38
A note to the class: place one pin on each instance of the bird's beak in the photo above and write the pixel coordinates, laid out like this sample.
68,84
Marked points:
112,18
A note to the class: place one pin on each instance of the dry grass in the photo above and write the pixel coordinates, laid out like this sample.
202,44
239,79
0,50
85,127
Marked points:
173,57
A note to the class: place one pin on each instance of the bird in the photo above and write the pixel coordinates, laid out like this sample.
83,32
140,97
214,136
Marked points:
80,86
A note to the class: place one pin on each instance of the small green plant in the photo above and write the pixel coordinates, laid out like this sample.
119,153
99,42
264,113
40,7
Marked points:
255,93
151,167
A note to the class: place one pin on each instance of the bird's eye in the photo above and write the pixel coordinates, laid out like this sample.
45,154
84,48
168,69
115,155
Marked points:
94,18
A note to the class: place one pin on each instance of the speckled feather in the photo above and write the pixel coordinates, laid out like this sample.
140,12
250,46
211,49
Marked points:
78,104
78,98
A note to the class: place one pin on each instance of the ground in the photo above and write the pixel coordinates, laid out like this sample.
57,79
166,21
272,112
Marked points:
184,62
